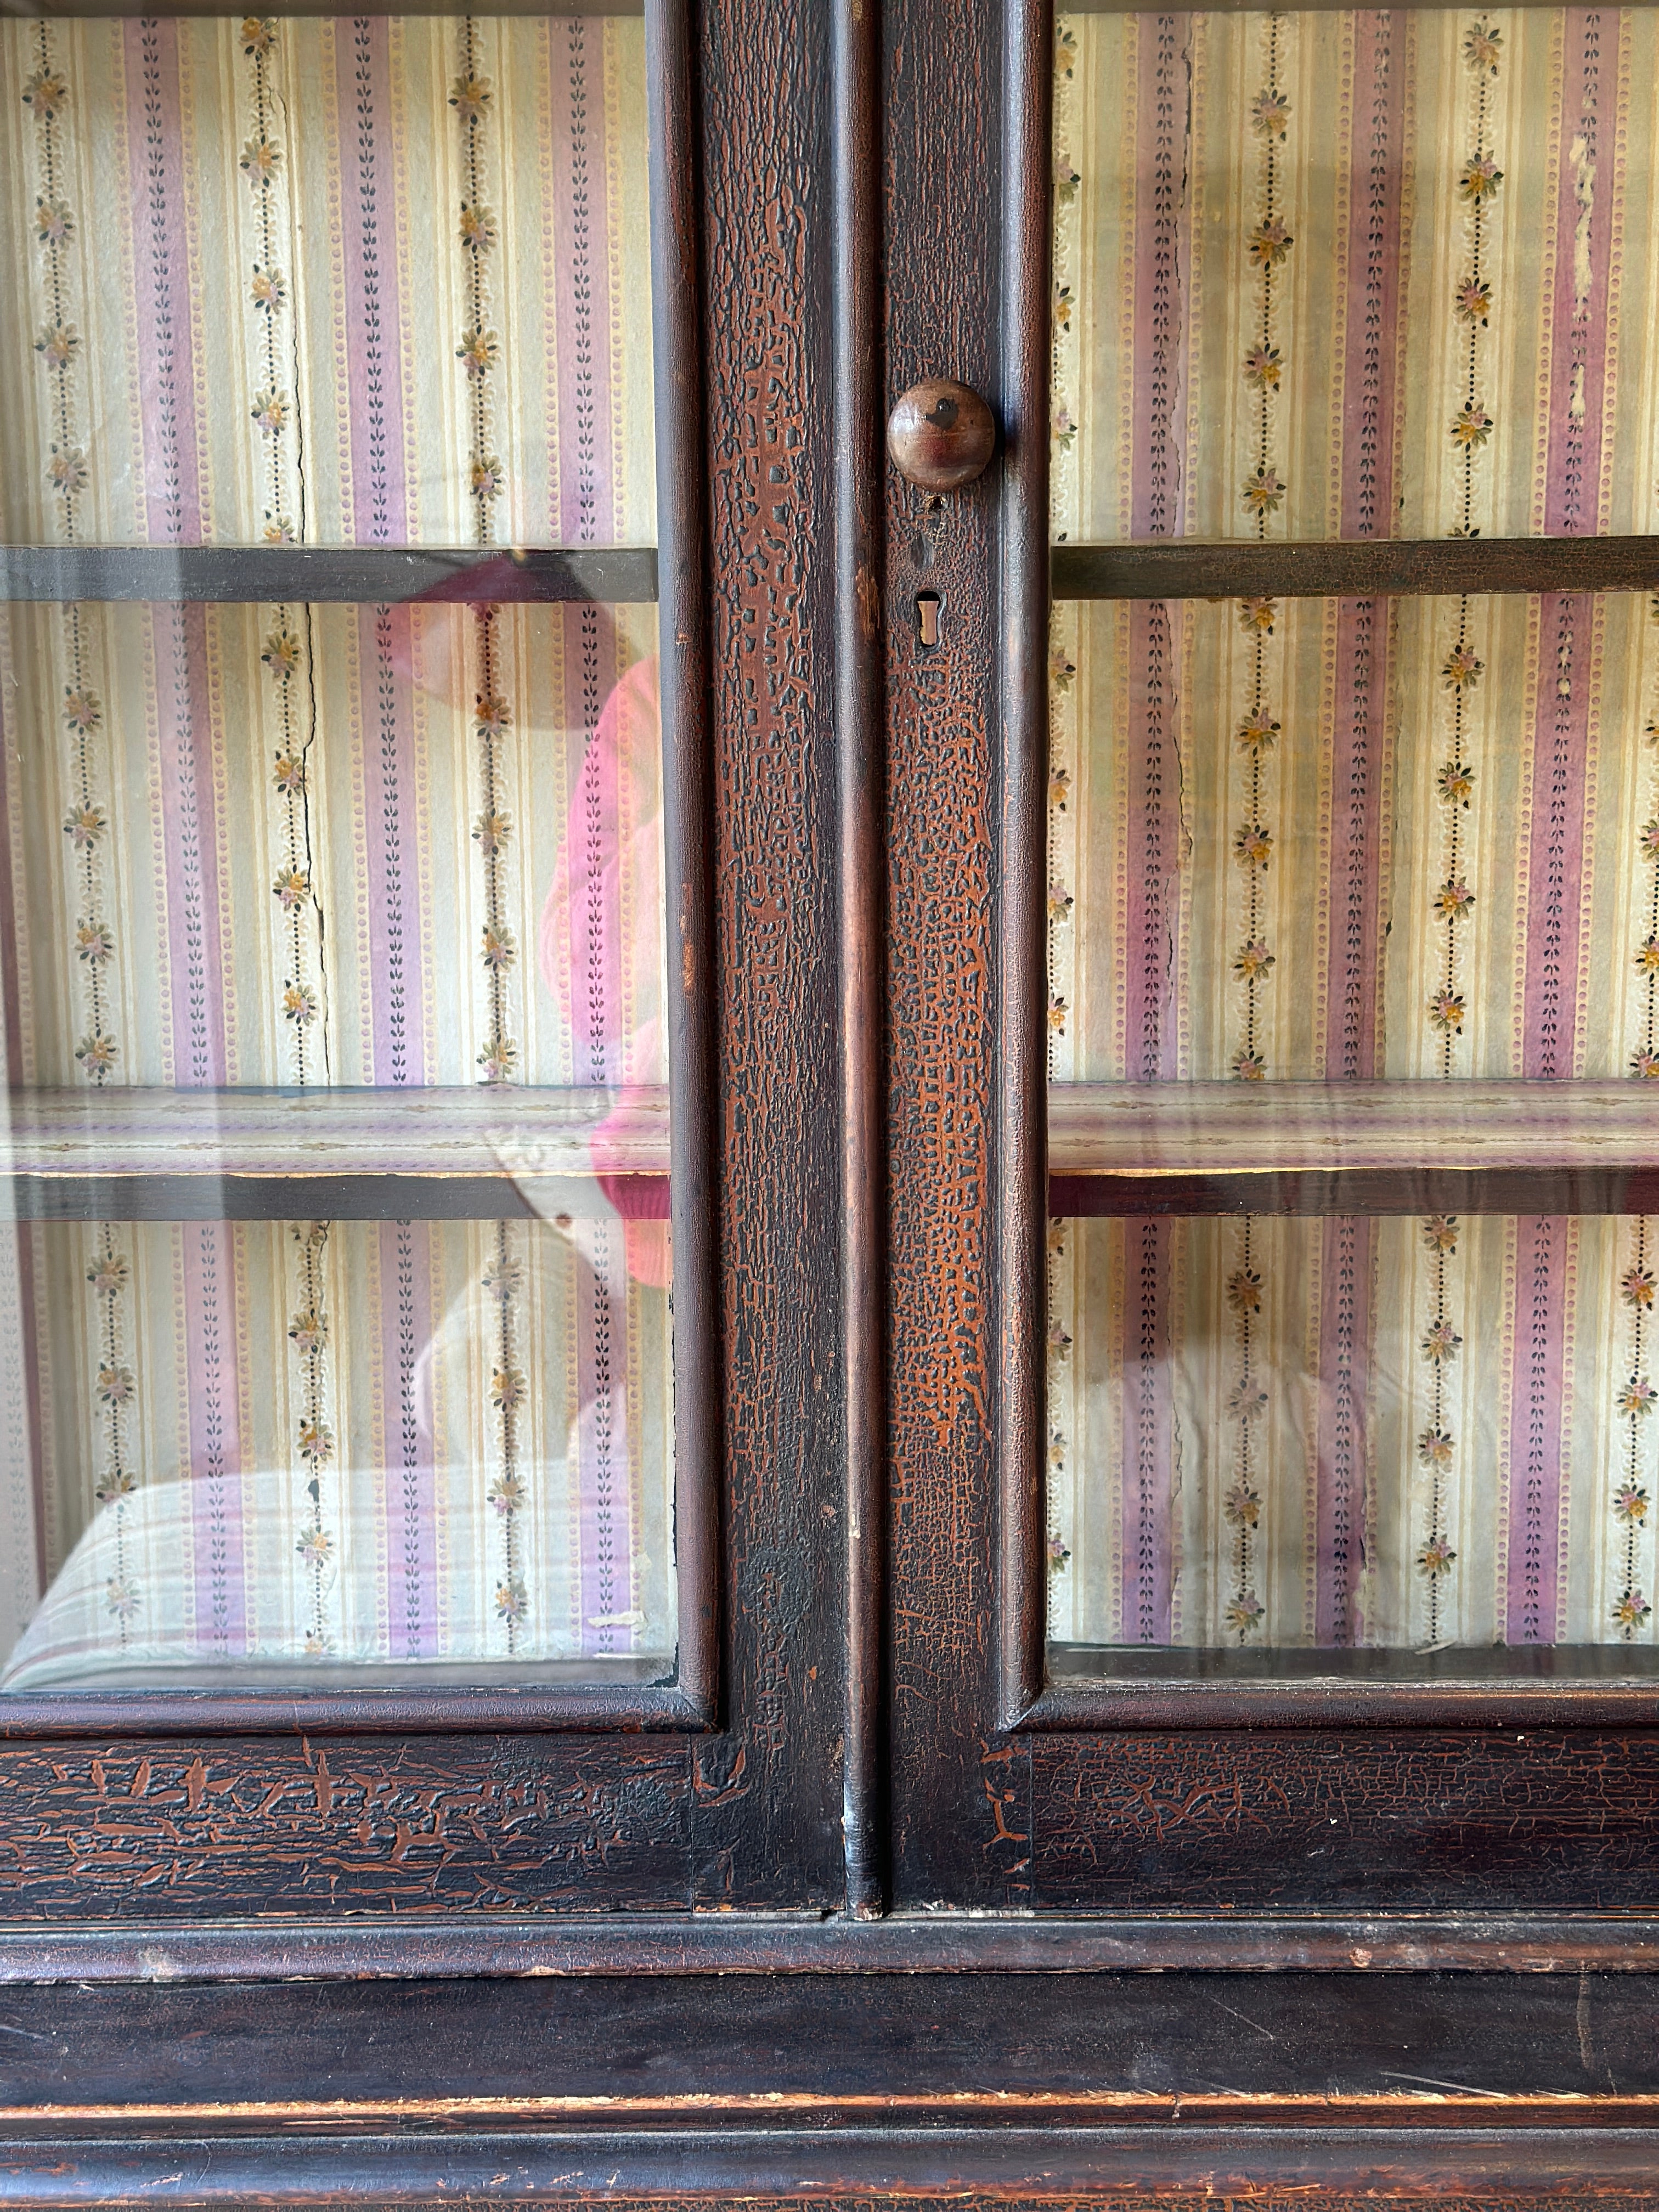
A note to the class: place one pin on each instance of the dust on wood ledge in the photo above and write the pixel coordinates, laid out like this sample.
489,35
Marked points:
1405,1147
462,1152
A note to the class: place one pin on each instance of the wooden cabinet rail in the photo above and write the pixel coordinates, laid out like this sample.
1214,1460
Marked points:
1407,1147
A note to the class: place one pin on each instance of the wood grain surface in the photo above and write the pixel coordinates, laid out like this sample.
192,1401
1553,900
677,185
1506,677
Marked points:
859,704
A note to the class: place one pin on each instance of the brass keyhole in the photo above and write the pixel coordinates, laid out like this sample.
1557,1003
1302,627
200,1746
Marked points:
927,617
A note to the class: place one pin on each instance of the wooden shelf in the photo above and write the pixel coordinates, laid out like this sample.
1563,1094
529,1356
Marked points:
1362,568
313,576
468,1153
1408,1147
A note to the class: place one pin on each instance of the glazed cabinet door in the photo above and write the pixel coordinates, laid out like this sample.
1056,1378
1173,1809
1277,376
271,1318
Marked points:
422,1464
1272,932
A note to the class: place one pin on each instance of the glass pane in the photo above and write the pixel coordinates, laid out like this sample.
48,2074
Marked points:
1354,274
335,1308
357,281
1253,1443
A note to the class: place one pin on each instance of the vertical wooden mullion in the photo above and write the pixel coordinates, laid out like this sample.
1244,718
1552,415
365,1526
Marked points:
1022,1179
768,1800
858,703
961,1835
683,636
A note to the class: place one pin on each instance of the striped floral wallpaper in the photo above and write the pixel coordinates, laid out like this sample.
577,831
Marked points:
378,282
1359,275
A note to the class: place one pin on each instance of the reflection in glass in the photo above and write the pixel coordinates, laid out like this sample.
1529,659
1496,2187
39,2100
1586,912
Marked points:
1355,275
451,1453
339,892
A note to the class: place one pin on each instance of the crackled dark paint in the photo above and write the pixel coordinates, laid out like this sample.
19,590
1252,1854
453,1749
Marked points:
1449,1821
960,1830
767,1807
256,1826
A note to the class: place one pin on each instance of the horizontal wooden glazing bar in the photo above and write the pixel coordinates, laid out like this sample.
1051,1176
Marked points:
1468,1147
357,575
468,1152
1104,1686
1305,1662
1351,569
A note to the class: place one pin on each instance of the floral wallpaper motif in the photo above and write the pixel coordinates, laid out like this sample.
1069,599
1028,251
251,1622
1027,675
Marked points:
1353,274
304,846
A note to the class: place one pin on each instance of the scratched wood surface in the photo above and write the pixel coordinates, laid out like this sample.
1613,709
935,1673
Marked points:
1196,2164
1398,2051
1044,2089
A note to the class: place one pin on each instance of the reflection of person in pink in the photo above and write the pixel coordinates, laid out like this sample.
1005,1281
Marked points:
602,951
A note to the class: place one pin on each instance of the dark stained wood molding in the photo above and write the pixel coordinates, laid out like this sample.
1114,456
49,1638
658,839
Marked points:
1021,1287
1445,2052
1379,1689
590,1944
1568,2168
889,2085
861,703
315,576
684,618
167,1713
1374,568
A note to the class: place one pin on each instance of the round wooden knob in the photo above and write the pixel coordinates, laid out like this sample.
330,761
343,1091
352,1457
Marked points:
940,435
